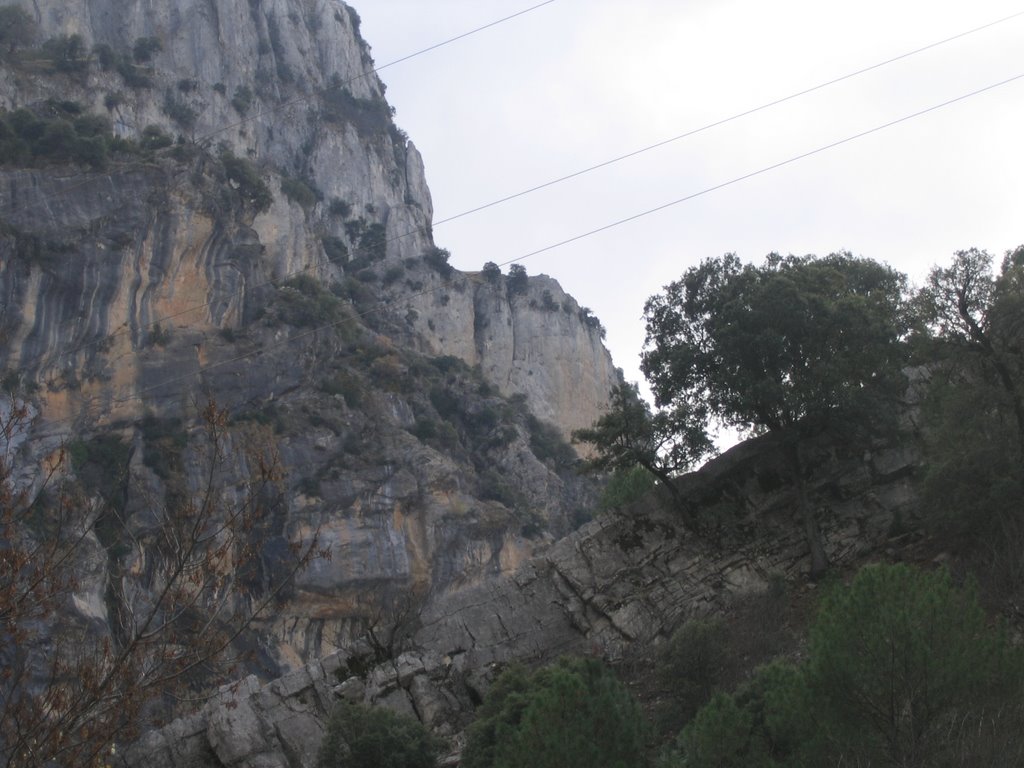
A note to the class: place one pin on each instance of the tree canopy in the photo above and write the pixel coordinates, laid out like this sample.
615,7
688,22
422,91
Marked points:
902,669
572,714
797,344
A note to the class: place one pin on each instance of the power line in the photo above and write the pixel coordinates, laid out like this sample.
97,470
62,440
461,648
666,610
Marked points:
723,121
306,98
552,182
707,190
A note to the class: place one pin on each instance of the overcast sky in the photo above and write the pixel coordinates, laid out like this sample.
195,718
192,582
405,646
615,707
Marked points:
578,82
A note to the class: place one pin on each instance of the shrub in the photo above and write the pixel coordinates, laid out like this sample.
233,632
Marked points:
491,272
105,56
572,714
437,259
179,111
340,208
518,282
242,99
251,187
300,191
624,487
67,53
364,737
153,138
334,248
145,47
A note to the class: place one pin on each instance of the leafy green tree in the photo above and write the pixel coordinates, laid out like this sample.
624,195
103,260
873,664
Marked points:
977,316
898,656
973,319
375,737
896,663
797,346
767,723
663,443
518,282
572,714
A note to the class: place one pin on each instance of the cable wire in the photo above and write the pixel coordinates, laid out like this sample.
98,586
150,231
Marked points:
424,230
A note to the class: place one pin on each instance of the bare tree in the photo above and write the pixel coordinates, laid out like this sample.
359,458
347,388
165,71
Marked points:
180,589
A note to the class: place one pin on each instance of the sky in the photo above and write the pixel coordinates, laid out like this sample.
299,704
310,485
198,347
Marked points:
578,82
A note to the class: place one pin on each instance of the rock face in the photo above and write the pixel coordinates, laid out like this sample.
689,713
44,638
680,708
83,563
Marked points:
261,237
614,585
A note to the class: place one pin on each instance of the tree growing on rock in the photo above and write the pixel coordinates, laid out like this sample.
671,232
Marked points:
664,443
797,346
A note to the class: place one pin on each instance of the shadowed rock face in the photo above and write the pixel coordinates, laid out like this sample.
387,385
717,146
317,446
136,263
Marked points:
612,588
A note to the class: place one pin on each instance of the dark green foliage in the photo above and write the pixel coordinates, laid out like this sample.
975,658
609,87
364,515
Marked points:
663,443
369,116
340,208
188,85
144,48
154,138
491,272
335,249
300,191
495,487
974,411
437,260
303,302
547,443
896,663
373,244
66,137
798,346
518,283
364,737
626,486
16,27
242,99
220,88
133,76
572,714
179,111
250,186
589,319
66,53
105,56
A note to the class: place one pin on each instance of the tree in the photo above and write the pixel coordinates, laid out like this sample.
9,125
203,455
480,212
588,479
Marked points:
797,346
663,443
518,282
572,714
901,654
973,413
979,319
374,737
897,663
16,27
170,588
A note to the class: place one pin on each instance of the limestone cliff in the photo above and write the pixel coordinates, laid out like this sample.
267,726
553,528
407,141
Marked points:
613,588
206,199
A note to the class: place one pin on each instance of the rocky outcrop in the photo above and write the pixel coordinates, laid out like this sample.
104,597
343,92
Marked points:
271,258
614,586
